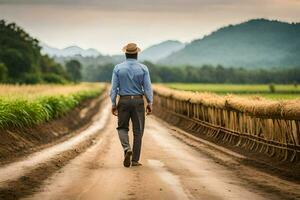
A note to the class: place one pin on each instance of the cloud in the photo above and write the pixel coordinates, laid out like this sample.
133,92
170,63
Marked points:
137,4
108,24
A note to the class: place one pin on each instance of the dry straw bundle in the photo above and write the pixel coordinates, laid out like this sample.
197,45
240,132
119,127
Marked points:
205,98
268,126
254,106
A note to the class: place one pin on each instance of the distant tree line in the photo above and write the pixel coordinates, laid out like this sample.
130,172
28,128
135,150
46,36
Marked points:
21,60
203,74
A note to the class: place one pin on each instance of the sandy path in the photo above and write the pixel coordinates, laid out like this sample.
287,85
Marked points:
15,170
171,170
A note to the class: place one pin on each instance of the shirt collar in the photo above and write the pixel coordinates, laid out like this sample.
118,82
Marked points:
131,59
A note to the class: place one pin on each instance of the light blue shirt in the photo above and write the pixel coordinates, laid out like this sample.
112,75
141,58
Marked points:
131,78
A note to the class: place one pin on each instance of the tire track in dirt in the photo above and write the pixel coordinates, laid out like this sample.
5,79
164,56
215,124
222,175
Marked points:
21,178
171,169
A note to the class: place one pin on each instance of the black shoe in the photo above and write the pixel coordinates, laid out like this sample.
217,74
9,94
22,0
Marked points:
134,163
127,158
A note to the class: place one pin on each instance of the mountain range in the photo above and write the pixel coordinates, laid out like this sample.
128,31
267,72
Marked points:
153,53
255,43
160,51
68,51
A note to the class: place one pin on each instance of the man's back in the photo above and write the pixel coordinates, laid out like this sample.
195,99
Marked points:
131,76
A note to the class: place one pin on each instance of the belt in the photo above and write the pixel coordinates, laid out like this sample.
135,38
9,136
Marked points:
131,97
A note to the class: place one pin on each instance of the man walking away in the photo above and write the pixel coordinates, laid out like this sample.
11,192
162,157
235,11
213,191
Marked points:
131,81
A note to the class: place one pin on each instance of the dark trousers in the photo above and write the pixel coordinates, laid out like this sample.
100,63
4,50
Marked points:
131,109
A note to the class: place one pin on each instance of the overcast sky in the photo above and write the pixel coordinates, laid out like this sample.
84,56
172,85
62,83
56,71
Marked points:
109,24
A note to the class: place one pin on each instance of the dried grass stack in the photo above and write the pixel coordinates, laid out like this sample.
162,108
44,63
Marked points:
268,126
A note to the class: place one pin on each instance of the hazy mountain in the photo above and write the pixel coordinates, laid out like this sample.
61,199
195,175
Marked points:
153,54
255,43
161,50
88,61
69,51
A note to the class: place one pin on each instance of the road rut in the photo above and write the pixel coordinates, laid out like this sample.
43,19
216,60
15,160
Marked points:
171,169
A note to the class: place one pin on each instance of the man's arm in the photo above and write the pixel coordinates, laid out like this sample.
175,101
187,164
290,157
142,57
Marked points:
148,90
114,91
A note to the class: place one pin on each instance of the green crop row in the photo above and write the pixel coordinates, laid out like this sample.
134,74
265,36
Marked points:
22,112
271,91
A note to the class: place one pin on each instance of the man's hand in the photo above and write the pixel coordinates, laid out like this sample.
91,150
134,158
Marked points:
114,110
149,109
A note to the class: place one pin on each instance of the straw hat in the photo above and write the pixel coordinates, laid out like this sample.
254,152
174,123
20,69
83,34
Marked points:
131,48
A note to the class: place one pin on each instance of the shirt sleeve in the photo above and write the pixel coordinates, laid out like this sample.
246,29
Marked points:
147,86
114,87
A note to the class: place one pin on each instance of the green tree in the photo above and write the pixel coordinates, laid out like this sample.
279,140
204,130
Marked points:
21,56
3,72
74,70
17,64
52,71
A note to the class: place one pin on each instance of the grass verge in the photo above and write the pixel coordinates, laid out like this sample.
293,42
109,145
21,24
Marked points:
27,110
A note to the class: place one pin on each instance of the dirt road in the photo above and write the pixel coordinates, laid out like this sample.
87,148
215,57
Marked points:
174,167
